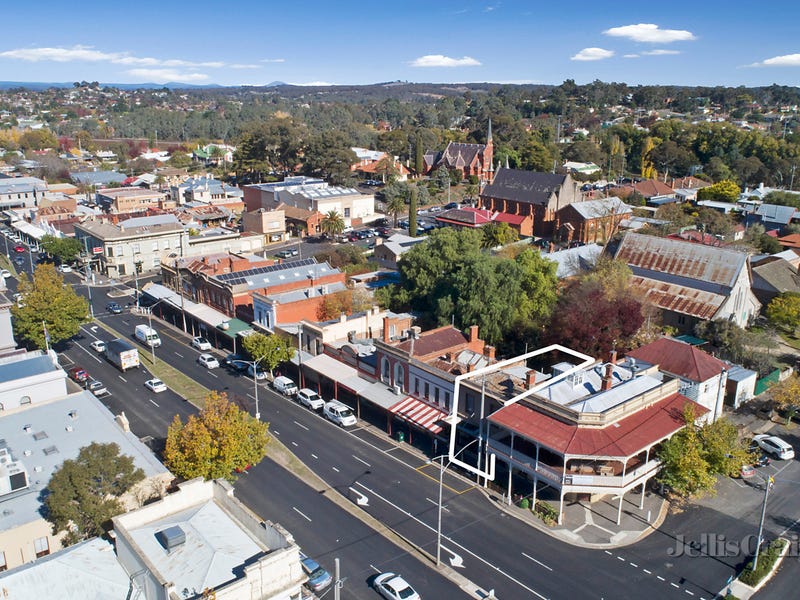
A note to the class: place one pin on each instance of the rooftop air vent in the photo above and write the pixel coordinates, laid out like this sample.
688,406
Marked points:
171,537
73,414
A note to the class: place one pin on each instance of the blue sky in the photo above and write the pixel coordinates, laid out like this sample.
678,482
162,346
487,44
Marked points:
233,42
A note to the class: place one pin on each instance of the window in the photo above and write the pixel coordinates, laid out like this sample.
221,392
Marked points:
25,400
436,395
416,386
3,563
42,547
346,213
156,261
110,251
136,249
447,399
427,390
400,377
166,244
155,246
386,373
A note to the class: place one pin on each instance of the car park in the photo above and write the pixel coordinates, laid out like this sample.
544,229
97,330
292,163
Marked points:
394,587
310,398
155,385
201,343
383,231
285,386
98,346
113,308
747,471
318,578
97,387
287,253
208,361
774,446
339,413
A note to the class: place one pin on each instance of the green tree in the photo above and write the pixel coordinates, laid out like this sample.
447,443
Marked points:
83,493
498,234
395,195
64,249
787,392
269,350
723,450
216,442
412,211
723,191
685,469
784,310
332,224
329,155
179,160
47,302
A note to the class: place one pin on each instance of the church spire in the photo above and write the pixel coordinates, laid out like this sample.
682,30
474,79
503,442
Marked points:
489,132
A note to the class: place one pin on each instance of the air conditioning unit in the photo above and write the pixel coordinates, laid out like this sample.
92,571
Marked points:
396,390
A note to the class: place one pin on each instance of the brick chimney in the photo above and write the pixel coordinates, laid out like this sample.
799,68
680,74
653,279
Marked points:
386,337
473,333
613,358
607,378
530,379
490,350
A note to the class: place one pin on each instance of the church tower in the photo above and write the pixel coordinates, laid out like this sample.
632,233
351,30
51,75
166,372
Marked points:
488,157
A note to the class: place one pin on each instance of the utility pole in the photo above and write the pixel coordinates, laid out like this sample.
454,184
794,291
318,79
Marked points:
337,582
767,485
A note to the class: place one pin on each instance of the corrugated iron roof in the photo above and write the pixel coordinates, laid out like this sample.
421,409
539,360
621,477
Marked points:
680,358
678,298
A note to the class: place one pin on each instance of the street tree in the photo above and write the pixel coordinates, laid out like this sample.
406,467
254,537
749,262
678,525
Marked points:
498,234
47,304
784,311
787,392
269,350
64,249
723,449
722,191
412,211
332,224
84,493
685,469
215,443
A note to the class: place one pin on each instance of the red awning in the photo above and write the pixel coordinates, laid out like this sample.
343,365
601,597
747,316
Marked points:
420,414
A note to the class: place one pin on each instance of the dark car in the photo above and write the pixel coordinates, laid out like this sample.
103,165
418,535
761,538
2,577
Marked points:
384,231
78,375
114,308
451,205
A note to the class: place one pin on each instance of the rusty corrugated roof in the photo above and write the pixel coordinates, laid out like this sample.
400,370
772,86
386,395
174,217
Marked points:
678,298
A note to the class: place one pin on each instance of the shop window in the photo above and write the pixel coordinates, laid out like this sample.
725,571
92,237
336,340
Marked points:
41,546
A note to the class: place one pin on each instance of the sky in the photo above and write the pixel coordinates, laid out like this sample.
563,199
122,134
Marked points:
341,42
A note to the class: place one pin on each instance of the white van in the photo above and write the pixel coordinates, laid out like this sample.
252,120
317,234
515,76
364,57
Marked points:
285,386
339,413
147,335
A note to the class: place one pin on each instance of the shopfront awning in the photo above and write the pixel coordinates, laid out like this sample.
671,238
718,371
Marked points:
420,414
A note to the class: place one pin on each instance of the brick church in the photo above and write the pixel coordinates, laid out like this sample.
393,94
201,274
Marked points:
471,159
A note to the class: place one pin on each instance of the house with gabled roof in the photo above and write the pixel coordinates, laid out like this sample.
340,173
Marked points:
690,282
592,221
773,276
772,216
470,159
527,193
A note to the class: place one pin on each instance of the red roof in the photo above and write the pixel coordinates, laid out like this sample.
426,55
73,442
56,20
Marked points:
680,358
509,218
627,437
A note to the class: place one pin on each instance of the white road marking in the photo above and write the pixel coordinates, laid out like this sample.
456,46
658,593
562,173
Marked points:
377,570
294,508
541,564
276,432
123,379
361,461
688,592
607,552
251,396
178,355
673,584
314,456
294,444
153,401
449,539
212,374
648,572
335,469
660,577
620,558
633,564
301,426
444,508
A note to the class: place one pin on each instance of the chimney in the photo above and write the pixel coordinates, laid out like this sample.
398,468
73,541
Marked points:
386,339
530,379
606,384
473,333
490,350
613,358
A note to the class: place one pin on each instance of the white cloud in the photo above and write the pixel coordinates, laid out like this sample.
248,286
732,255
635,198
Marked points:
79,53
660,52
786,60
593,54
243,66
439,60
165,75
630,56
272,60
650,33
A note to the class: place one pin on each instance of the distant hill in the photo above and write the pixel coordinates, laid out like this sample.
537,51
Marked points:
43,85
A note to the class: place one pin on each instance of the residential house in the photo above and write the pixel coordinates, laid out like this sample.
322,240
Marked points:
213,154
581,168
131,200
526,193
235,554
592,221
376,165
773,217
388,251
703,378
471,159
575,261
591,432
206,190
97,179
654,192
467,217
690,282
773,276
269,223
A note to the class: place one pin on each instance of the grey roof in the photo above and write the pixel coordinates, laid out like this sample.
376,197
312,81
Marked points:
88,570
305,293
21,185
399,243
574,261
15,368
778,274
54,436
775,213
98,177
135,222
595,209
524,186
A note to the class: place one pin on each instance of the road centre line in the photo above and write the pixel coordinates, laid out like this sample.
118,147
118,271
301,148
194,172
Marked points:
178,355
314,456
123,379
538,562
301,426
467,550
294,444
335,469
362,461
673,584
214,376
154,403
294,508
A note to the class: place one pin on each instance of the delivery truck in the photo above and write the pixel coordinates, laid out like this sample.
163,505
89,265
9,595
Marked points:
147,335
124,355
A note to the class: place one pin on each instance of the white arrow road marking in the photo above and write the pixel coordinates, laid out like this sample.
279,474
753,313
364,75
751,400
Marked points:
362,500
467,550
455,560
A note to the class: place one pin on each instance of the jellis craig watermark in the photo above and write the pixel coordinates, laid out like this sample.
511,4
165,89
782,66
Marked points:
719,546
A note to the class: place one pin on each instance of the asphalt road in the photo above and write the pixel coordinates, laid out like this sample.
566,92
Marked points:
399,489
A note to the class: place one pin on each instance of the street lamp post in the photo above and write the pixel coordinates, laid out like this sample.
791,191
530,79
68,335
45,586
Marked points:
150,325
255,384
768,483
137,267
442,469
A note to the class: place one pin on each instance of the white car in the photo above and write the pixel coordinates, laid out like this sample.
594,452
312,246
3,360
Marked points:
98,346
201,344
311,399
97,387
65,268
774,445
5,273
208,361
260,375
394,587
155,385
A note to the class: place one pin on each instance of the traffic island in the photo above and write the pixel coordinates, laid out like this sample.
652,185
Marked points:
750,581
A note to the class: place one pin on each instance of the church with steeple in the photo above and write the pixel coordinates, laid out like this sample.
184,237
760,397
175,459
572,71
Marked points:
471,159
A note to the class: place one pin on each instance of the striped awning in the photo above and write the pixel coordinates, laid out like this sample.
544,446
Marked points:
420,414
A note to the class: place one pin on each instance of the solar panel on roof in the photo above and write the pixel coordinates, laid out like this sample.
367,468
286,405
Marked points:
243,275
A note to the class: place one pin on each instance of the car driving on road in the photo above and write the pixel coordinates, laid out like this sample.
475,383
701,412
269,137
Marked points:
155,385
201,343
98,346
97,387
113,308
394,587
208,361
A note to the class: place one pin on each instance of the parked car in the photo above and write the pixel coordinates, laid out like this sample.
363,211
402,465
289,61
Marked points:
310,398
285,386
775,446
287,253
98,346
384,231
318,578
19,249
339,413
97,387
259,375
201,344
64,269
113,308
155,385
208,361
451,205
78,374
747,471
5,273
394,587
